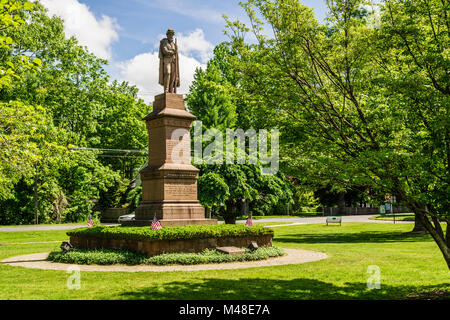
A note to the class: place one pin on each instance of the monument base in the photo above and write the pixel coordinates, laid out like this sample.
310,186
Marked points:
169,222
168,210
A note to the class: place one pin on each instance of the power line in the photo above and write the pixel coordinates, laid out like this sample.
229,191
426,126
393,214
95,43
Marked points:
75,120
128,157
109,150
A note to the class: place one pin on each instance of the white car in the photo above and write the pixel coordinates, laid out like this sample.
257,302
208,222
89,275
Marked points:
127,217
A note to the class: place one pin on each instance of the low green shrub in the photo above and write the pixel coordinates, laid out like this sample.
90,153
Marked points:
170,233
214,256
109,257
100,257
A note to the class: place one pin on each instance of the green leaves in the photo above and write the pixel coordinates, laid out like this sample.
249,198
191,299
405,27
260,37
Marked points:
211,98
227,184
22,131
213,190
10,12
11,17
109,257
217,101
362,100
55,94
353,102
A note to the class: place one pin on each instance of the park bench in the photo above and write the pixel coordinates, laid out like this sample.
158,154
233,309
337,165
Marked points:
334,220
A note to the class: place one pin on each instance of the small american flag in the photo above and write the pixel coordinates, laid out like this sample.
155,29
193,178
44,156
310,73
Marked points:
90,221
156,225
249,222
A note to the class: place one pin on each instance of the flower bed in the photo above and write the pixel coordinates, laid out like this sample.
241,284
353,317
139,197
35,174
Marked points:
188,239
110,257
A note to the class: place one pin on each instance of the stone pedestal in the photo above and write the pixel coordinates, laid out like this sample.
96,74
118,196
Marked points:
169,182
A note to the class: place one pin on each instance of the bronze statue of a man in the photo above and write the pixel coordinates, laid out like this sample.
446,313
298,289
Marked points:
169,69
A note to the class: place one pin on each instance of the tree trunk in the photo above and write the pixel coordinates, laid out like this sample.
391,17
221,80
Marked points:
230,213
418,225
229,219
442,241
341,203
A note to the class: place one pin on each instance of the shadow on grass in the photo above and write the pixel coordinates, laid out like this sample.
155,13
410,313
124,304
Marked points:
360,237
269,289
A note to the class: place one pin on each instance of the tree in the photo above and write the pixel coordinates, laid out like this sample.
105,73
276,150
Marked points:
414,36
211,98
121,127
76,90
226,185
11,18
61,98
351,89
214,99
19,123
213,190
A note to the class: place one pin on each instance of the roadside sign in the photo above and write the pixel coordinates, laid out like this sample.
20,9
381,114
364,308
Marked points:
388,206
382,210
387,197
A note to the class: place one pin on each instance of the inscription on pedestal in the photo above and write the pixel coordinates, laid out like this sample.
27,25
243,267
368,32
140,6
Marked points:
181,191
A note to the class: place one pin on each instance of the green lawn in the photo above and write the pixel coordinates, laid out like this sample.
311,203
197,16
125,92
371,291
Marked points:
45,224
408,263
32,236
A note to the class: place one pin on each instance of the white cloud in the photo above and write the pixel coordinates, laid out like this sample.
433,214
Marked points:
143,69
79,21
196,44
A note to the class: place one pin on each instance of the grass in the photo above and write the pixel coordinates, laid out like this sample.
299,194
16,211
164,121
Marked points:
409,265
32,236
398,217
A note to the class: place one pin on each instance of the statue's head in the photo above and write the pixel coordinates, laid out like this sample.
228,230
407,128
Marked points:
170,34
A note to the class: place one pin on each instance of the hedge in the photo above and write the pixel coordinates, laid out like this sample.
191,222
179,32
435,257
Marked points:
170,233
110,257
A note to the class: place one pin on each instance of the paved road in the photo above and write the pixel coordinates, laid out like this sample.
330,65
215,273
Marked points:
313,220
309,220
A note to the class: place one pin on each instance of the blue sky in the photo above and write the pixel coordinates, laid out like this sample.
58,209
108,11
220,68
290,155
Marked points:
141,21
127,33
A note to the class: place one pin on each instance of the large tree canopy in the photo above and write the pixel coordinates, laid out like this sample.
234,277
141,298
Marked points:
360,100
214,99
57,106
21,125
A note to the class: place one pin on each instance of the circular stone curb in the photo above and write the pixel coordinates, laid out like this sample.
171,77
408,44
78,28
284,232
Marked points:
293,256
